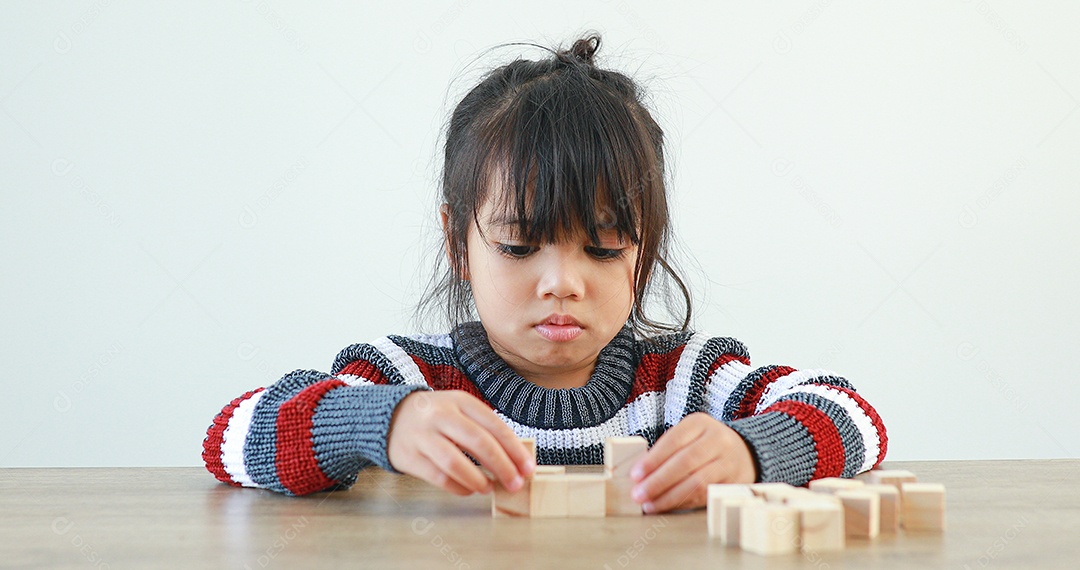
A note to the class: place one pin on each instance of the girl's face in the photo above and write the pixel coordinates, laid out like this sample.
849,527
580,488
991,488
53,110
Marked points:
548,308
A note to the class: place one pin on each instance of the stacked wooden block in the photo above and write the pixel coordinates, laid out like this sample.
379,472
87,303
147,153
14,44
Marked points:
777,518
552,492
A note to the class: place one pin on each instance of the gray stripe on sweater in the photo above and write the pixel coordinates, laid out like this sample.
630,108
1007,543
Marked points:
783,447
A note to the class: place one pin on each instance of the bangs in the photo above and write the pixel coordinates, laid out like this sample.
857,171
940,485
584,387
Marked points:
568,156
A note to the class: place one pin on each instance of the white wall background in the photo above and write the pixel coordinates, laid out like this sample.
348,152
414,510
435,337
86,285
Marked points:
198,198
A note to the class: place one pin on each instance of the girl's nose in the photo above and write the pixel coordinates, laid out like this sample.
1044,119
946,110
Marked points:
563,276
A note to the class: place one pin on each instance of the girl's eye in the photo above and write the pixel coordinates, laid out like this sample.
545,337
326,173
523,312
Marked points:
523,251
515,251
604,253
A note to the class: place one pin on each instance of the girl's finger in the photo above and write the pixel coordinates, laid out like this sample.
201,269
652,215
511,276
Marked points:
472,437
691,457
426,470
452,461
690,492
670,442
523,461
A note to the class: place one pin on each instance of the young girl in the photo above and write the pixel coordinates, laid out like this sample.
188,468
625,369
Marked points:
556,233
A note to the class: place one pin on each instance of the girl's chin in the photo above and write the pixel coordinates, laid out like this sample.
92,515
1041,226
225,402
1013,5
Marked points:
538,352
558,359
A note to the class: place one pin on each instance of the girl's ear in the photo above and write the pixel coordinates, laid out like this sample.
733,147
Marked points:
444,213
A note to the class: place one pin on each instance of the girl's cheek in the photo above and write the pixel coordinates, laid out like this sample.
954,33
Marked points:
511,280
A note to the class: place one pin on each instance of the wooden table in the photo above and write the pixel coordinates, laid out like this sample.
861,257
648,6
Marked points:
1001,514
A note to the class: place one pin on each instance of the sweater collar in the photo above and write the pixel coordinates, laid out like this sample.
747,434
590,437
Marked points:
552,408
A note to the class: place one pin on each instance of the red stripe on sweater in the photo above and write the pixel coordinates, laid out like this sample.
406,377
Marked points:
297,467
750,400
215,436
365,369
724,359
827,441
656,370
447,377
879,425
653,372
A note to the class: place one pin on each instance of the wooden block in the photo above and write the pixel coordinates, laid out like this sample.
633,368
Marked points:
773,492
518,504
831,485
862,513
540,470
894,477
620,453
890,507
548,496
617,497
530,444
923,506
802,492
586,494
507,504
768,529
718,493
730,516
821,525
811,498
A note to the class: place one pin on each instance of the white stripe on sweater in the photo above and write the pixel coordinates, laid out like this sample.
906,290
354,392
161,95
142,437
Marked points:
232,440
401,361
354,380
863,422
722,384
783,385
678,387
640,415
440,340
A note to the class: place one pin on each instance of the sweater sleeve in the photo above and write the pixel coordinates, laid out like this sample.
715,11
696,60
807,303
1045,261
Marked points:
309,431
800,425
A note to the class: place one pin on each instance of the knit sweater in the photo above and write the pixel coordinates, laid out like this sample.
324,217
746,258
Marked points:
311,431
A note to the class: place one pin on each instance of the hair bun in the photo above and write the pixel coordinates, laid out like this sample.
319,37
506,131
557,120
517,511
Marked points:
583,49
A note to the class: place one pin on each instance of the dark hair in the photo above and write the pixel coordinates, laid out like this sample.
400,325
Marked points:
564,139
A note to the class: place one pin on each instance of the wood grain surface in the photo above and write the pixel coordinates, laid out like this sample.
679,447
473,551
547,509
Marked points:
1001,514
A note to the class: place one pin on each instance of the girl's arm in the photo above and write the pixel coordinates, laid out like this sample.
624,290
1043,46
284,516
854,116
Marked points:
801,425
307,432
312,431
727,422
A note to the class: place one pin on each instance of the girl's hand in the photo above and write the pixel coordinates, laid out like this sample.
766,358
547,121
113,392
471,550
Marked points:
686,459
429,432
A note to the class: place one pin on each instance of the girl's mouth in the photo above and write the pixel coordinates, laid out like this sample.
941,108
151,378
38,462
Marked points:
559,328
559,333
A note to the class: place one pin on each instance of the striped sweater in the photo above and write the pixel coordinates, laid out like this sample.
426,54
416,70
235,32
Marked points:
311,431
